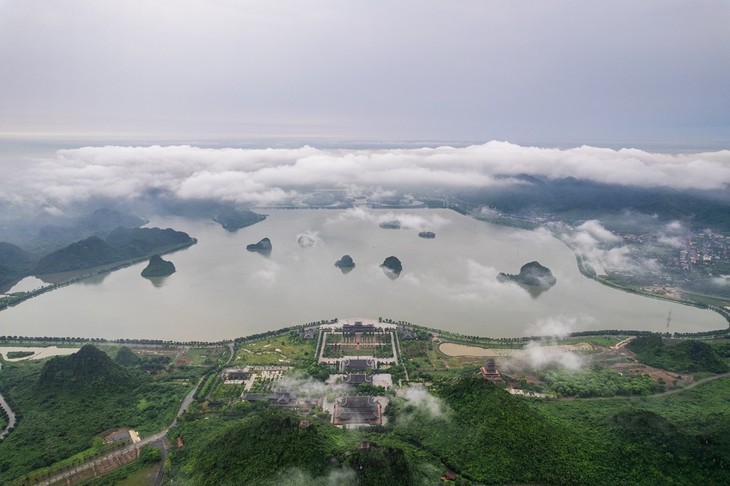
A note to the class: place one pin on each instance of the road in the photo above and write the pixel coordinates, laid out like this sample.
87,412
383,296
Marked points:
159,436
11,417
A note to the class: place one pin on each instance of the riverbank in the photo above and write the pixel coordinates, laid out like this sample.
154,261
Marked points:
65,279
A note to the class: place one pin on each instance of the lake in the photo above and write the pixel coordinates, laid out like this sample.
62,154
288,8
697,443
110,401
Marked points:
221,291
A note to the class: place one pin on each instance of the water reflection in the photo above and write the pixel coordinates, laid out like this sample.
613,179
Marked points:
391,274
534,290
96,279
28,284
157,282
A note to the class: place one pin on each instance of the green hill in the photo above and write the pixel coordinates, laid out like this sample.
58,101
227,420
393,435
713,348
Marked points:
158,267
234,219
91,252
86,370
15,263
688,356
119,245
259,446
126,357
493,437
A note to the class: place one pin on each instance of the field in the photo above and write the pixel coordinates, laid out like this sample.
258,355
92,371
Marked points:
285,349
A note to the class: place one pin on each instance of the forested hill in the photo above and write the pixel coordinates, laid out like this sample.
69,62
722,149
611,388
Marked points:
14,261
119,245
578,200
88,370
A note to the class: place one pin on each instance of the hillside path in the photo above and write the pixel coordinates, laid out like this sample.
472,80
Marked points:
61,477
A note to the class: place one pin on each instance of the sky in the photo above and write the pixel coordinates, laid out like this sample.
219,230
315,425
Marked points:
559,73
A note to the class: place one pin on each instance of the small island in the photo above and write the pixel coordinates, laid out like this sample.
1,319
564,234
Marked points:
429,235
532,274
345,263
234,219
263,247
158,267
394,224
392,267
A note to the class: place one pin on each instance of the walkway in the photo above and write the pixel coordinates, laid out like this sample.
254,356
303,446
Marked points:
111,456
11,417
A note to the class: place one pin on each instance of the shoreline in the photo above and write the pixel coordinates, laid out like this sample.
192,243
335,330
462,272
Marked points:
453,337
503,221
78,276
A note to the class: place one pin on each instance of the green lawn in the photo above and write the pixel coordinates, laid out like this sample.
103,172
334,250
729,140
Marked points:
292,350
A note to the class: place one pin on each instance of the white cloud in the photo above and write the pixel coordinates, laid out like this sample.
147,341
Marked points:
560,326
267,275
406,220
277,175
540,356
420,398
604,251
308,239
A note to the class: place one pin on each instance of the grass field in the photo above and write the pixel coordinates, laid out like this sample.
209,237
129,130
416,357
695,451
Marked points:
202,356
286,349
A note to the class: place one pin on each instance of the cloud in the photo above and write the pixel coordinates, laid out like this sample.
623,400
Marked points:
471,282
267,275
309,239
604,251
406,220
559,327
297,477
304,386
540,356
274,176
417,396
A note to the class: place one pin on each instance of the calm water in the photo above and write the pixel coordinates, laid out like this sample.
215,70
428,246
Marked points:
221,291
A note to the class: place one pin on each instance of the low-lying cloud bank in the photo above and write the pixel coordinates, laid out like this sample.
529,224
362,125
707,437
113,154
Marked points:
274,176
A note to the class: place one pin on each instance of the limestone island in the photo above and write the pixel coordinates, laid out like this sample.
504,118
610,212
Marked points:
234,219
392,267
345,264
394,224
427,234
532,274
263,247
158,267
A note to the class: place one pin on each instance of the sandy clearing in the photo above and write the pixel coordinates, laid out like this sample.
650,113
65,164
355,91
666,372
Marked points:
452,349
40,353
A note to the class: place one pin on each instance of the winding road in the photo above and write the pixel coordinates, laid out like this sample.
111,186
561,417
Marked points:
159,436
11,417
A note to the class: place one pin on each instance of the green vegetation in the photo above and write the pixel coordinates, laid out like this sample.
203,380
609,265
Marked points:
157,267
292,349
14,263
247,451
234,219
460,424
126,357
597,382
19,354
489,436
132,474
672,439
64,402
475,429
687,356
119,245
